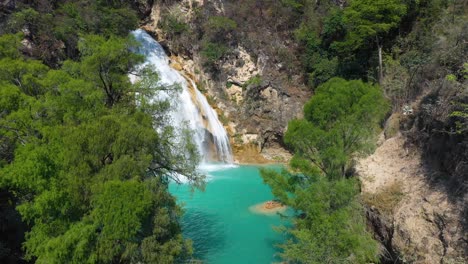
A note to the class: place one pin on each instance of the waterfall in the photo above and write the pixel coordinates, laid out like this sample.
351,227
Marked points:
191,107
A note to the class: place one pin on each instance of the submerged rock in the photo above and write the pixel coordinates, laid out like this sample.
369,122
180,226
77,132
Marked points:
268,208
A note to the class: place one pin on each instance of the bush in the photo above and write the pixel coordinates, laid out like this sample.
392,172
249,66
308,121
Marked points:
330,225
212,52
220,24
172,24
215,37
323,70
254,80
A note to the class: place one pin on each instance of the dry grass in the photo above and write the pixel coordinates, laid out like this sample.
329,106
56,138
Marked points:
386,199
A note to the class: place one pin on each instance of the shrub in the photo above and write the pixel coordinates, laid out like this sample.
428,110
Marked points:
254,80
212,51
220,24
172,23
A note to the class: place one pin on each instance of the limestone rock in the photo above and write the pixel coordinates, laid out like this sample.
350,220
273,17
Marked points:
235,93
424,226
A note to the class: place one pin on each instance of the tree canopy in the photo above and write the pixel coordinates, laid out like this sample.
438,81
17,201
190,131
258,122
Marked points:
368,21
339,123
89,159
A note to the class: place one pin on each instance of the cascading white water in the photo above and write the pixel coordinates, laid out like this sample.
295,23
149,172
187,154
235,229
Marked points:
192,108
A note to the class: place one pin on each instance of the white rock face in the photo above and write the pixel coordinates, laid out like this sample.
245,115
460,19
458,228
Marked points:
269,94
235,93
242,67
249,138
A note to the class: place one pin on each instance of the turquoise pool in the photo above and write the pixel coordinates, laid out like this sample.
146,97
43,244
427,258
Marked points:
223,228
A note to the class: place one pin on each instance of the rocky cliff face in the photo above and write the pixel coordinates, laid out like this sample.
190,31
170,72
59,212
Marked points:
415,221
253,90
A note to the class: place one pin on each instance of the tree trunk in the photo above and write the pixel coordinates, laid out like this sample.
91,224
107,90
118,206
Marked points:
379,47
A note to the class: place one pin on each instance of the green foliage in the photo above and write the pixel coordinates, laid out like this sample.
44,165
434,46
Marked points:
451,77
85,160
323,70
220,24
309,38
172,23
27,18
339,123
367,22
295,4
395,83
9,46
107,63
465,71
462,114
97,17
116,21
224,120
118,208
330,226
88,155
318,60
53,31
339,120
217,30
334,228
254,81
25,74
334,27
342,41
212,52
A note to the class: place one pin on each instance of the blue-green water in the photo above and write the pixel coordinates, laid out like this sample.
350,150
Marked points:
219,221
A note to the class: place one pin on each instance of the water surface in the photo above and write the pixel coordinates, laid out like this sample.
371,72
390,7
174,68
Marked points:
219,222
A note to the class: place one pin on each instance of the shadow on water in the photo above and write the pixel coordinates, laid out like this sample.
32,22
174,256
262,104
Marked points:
274,244
205,231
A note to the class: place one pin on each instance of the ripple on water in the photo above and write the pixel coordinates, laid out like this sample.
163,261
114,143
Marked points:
206,232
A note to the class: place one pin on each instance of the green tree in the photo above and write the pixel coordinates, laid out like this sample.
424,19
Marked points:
107,63
9,45
367,23
338,122
329,226
89,164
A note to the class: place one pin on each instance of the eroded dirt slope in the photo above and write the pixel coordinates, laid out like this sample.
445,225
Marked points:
415,221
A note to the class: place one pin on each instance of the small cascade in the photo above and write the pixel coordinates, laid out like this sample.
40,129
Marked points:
192,108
